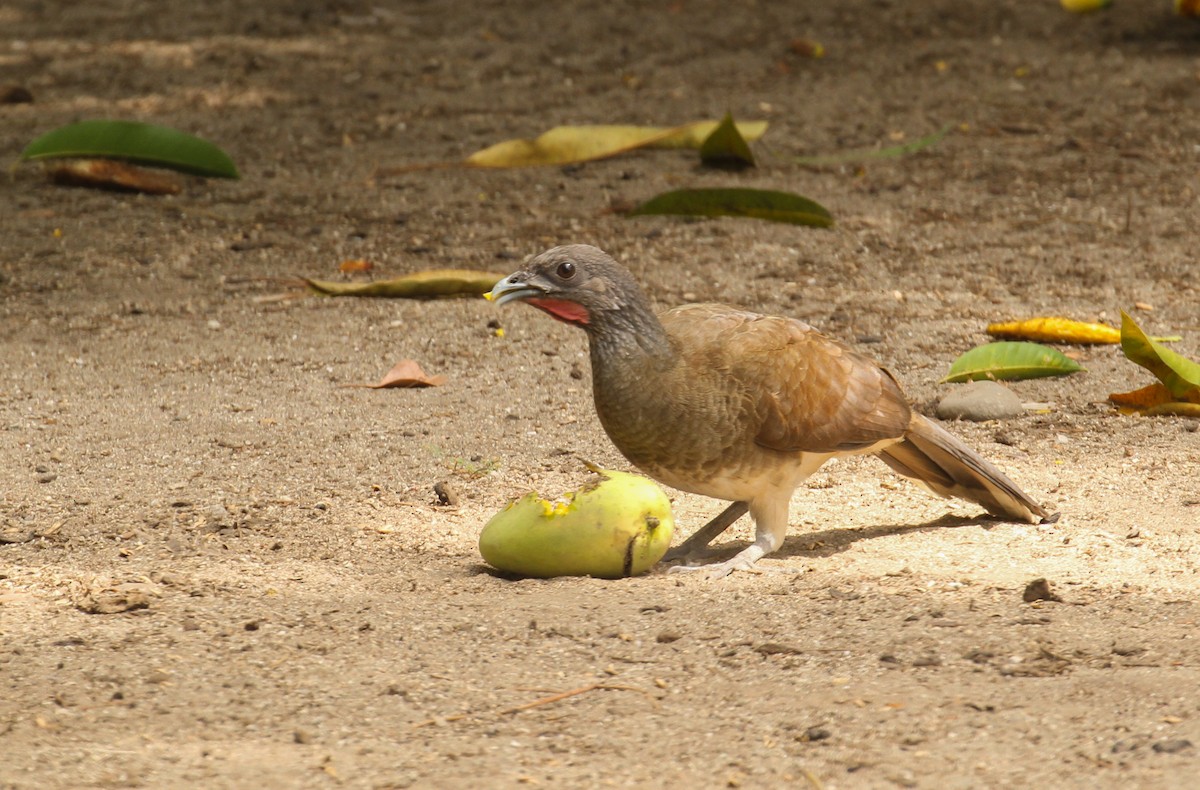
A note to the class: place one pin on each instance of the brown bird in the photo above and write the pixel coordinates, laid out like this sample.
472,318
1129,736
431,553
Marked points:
740,406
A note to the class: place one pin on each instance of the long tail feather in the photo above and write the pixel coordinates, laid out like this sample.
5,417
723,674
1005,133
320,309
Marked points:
937,459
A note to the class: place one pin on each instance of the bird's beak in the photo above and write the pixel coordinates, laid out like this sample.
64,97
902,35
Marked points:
513,288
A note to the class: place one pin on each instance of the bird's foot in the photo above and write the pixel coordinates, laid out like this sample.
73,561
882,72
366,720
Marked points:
696,547
746,560
691,554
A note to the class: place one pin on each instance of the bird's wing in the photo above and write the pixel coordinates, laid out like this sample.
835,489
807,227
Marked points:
806,392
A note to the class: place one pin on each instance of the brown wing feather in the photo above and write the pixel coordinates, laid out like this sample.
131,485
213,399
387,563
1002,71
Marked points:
807,392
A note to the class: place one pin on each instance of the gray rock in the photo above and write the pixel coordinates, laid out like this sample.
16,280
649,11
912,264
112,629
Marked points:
218,516
980,401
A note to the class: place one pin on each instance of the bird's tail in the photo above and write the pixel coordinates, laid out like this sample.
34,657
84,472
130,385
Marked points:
932,456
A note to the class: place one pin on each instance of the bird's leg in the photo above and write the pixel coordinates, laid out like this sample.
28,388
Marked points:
770,528
696,545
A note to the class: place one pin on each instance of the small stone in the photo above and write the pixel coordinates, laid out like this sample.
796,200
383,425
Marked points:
1039,590
446,493
1172,745
217,515
777,649
667,637
15,94
302,736
813,734
46,477
980,401
16,536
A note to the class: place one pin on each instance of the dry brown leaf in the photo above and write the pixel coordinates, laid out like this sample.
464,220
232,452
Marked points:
405,373
1151,395
113,174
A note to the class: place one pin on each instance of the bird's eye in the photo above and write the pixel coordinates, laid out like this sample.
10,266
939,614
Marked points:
566,270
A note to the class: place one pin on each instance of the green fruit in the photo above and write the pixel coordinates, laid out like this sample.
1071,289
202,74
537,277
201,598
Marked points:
618,525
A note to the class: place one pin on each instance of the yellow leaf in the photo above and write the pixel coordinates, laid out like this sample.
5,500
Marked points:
1053,329
566,144
418,285
1174,409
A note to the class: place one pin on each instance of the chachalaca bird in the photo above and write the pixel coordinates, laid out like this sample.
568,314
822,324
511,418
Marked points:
743,407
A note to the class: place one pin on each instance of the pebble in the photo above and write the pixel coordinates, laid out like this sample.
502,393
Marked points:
1039,590
446,493
46,477
218,515
980,401
1172,745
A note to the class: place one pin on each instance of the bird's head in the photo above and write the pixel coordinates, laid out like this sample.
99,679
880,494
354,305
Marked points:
576,284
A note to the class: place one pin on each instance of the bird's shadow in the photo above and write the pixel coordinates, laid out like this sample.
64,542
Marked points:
828,542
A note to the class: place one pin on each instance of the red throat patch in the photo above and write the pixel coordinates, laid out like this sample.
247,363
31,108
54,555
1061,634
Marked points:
567,312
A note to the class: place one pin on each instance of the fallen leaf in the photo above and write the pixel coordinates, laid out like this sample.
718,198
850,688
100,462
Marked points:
355,266
725,147
807,48
135,142
405,373
1180,375
1151,395
419,285
1174,409
1010,361
113,174
1054,329
567,144
889,152
754,203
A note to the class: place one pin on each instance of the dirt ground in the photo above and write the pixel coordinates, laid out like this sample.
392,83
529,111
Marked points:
222,568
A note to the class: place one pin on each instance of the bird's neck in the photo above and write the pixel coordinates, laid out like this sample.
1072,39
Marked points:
633,335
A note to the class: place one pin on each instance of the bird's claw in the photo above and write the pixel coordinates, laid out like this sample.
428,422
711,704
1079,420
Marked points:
719,570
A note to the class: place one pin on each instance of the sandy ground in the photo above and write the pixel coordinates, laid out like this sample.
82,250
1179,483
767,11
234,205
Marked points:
222,568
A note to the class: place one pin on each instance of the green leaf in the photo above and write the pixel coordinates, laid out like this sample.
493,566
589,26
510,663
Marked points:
1178,374
756,203
1011,361
135,142
726,147
863,154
